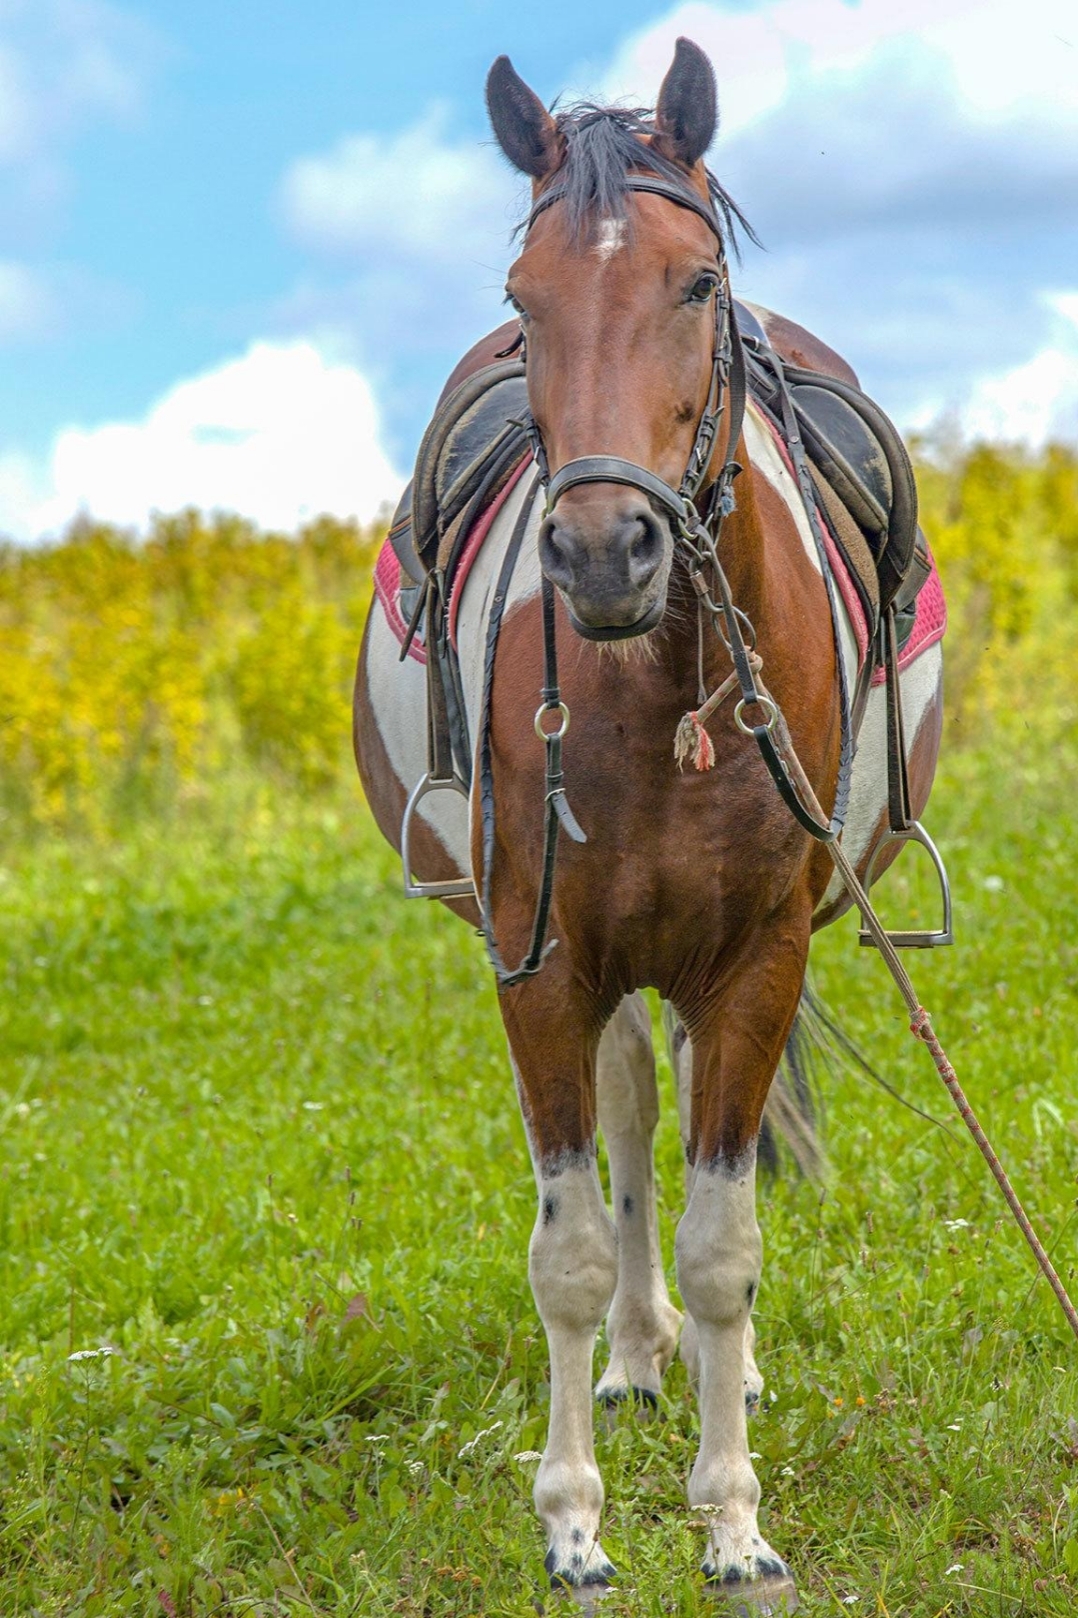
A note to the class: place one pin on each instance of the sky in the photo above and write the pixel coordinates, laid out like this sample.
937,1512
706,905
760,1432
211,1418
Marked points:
242,246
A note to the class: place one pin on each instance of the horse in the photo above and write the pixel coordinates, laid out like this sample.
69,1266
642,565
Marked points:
697,883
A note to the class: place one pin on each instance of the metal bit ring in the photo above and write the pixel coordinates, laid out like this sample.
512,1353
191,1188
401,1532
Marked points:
551,735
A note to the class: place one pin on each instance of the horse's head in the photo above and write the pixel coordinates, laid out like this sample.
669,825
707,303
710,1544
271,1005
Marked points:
616,290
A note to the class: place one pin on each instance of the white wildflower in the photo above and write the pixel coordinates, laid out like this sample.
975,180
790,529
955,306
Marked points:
955,1567
528,1455
101,1353
466,1449
956,1224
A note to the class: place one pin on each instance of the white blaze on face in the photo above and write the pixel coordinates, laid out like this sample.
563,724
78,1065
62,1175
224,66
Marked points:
611,237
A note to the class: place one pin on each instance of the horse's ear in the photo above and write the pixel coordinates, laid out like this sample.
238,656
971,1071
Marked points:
524,129
688,112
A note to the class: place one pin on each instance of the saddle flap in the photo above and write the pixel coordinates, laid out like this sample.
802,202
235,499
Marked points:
860,456
469,432
402,539
475,439
849,456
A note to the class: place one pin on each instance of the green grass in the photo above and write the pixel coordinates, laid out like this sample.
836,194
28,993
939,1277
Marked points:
260,1141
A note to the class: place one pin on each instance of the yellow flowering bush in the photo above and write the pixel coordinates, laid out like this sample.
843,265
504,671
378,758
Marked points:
1003,523
131,666
136,670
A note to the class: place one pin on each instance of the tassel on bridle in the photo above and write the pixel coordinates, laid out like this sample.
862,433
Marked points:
691,740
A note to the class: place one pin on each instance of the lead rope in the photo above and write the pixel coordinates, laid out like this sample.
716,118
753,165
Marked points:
921,1028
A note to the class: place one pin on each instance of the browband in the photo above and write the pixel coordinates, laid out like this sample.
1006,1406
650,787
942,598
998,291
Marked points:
643,182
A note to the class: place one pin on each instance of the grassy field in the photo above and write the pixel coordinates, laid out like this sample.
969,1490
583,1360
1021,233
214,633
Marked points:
268,1346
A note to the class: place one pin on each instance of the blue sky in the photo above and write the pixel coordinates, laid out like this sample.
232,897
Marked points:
241,246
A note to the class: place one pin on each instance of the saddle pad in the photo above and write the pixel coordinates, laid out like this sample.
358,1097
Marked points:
930,620
928,625
387,570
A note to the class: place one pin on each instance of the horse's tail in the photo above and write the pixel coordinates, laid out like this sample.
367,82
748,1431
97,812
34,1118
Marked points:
816,1046
791,1109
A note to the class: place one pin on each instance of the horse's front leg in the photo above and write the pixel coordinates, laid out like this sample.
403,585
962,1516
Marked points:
572,1261
738,1035
642,1327
681,1054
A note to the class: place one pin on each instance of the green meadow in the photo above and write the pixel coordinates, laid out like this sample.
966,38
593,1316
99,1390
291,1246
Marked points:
268,1346
268,1341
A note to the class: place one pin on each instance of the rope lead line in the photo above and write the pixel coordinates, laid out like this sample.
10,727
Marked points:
921,1028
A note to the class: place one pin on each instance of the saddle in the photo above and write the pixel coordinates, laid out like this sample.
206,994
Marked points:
474,442
856,466
862,476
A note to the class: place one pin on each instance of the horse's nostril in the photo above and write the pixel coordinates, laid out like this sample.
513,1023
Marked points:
555,554
645,549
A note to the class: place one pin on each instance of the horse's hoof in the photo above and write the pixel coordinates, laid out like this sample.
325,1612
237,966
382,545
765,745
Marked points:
642,1401
587,1595
584,1597
751,1598
615,1398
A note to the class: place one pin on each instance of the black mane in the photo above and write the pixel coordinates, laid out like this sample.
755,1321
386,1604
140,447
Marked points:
603,149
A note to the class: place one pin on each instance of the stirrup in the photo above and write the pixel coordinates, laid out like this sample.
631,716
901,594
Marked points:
921,938
458,887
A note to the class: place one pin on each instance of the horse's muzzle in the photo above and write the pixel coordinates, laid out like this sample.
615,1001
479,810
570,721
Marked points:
612,574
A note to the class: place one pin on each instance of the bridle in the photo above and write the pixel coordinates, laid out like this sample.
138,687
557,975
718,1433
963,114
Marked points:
679,502
696,536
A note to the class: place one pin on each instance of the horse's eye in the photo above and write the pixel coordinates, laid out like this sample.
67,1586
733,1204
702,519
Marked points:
702,289
518,307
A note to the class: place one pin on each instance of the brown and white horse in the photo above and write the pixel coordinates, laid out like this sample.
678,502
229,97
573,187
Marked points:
700,885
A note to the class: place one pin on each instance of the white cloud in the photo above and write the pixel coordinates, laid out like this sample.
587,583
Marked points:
1001,64
913,171
1038,400
416,195
64,63
410,237
279,435
912,168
